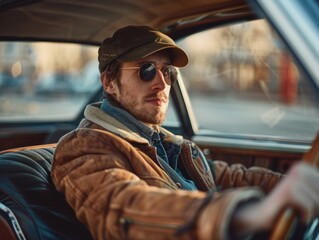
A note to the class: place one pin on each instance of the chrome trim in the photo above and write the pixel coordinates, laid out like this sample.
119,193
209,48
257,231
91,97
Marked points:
188,104
251,144
13,221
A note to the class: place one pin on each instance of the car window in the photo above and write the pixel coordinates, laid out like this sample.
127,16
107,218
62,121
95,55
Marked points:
242,80
42,81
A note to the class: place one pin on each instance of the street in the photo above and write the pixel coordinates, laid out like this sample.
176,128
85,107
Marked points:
246,116
227,114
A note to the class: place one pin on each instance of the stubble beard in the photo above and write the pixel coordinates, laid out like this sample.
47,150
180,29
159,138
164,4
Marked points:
153,116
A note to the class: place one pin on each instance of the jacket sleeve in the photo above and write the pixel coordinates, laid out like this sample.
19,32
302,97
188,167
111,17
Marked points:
237,175
93,172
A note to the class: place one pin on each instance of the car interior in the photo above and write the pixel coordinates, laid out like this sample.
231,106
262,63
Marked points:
30,206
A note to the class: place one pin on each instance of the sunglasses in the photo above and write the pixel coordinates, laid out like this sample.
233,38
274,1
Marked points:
147,72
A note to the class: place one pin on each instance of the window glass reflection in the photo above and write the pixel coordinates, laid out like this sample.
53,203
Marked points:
242,80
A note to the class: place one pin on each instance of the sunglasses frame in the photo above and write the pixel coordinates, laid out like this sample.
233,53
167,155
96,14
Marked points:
169,81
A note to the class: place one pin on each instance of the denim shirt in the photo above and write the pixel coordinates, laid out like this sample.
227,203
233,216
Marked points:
167,153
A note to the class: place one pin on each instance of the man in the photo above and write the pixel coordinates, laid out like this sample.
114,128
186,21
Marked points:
128,178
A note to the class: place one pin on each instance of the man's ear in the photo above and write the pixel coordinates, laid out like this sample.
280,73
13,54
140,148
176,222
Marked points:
108,85
111,88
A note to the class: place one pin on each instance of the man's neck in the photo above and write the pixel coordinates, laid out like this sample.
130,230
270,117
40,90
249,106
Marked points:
156,127
115,103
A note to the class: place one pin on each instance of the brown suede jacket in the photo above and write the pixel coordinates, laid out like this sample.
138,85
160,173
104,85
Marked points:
112,179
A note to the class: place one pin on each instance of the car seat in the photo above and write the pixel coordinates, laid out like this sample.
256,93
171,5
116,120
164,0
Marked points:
30,206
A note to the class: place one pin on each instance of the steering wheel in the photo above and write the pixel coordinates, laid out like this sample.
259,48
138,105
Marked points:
312,231
288,220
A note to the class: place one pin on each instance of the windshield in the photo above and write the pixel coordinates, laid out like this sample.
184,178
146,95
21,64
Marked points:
242,80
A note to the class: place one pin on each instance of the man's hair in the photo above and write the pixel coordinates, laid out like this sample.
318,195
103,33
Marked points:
111,73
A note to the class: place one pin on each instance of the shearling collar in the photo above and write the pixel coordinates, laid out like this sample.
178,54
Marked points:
94,114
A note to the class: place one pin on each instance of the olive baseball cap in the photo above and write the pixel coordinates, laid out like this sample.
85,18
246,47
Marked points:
135,42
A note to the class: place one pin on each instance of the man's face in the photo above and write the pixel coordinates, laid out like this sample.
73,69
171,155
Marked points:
147,101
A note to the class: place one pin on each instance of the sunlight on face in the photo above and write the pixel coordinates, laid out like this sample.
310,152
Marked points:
147,101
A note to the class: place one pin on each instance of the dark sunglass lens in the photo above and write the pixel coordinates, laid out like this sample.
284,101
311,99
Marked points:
170,74
147,71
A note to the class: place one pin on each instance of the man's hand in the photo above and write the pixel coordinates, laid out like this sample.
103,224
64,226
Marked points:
298,190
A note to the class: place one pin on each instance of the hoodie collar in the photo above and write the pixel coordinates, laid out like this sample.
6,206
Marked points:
108,120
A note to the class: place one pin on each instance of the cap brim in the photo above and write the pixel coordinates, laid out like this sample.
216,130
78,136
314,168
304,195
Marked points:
178,56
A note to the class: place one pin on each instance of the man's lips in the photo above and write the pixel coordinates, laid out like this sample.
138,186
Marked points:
156,101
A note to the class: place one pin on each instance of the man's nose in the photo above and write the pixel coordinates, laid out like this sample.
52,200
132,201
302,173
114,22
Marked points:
159,81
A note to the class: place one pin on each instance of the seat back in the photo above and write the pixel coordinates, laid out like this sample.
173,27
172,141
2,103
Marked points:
29,203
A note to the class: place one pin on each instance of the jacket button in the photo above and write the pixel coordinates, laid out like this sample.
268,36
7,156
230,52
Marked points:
178,184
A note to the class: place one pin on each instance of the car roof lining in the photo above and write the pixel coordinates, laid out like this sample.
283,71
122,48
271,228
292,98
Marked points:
92,21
